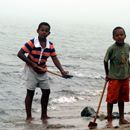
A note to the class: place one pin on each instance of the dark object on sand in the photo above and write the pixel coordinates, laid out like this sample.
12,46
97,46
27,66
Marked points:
115,115
88,112
93,124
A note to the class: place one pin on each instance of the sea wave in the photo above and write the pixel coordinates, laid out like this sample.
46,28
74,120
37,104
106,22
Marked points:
65,99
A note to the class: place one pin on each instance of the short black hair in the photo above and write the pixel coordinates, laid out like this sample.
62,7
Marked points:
44,23
118,27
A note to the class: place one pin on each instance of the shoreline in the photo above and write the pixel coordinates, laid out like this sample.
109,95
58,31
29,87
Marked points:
72,117
67,116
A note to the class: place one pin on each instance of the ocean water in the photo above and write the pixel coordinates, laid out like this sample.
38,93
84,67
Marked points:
80,49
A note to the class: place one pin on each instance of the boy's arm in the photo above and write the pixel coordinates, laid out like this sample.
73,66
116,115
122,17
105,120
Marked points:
21,55
58,65
106,69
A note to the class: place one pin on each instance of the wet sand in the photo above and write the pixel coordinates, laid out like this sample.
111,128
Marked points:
67,117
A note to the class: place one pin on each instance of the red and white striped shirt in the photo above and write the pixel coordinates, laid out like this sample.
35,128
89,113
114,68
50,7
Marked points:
38,54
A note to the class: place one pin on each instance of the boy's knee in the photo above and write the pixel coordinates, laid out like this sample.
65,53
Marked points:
30,92
46,91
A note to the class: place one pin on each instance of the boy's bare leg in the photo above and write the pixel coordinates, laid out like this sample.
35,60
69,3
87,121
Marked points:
44,103
121,114
109,115
28,104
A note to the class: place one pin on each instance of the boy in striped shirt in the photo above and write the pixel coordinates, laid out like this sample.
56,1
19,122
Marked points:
38,50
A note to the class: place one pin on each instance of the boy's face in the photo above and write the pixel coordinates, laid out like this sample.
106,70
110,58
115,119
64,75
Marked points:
119,36
43,31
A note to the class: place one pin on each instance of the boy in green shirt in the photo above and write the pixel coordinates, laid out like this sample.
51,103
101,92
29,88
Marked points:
116,66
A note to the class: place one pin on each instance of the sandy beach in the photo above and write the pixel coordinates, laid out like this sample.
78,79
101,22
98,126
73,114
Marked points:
67,117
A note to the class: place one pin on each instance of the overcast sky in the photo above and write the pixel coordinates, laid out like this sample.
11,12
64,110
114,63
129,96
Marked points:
67,10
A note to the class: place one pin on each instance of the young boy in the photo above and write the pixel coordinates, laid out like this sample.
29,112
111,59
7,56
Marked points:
38,49
117,73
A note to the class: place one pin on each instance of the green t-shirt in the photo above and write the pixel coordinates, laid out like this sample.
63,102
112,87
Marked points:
118,57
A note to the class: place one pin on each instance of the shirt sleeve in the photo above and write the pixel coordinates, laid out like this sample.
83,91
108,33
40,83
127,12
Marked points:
107,55
52,50
28,46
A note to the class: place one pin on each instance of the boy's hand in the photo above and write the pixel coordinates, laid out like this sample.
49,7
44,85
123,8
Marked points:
65,74
107,78
38,69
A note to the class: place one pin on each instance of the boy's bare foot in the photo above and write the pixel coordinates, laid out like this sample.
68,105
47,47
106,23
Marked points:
29,119
121,122
109,124
45,118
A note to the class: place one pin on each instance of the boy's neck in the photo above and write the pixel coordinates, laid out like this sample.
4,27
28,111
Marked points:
42,39
42,42
119,44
